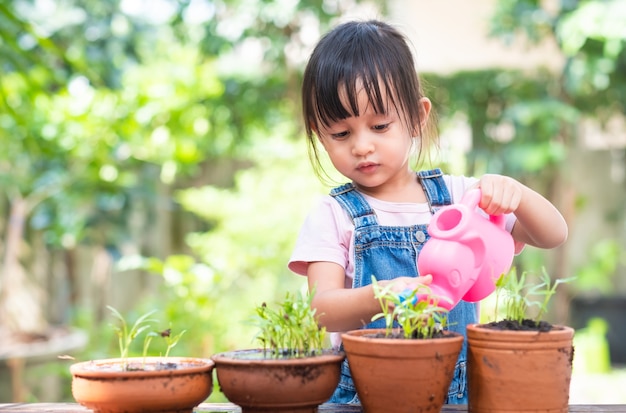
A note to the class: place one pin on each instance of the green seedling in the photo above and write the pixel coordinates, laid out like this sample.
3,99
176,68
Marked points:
416,318
519,295
291,329
170,339
128,334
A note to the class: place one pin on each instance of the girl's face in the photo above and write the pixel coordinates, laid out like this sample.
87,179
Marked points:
373,149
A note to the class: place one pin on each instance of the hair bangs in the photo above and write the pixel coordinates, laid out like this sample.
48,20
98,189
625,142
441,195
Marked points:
366,57
336,94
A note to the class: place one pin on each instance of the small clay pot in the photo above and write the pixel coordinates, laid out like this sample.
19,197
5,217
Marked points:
153,385
519,371
401,375
257,382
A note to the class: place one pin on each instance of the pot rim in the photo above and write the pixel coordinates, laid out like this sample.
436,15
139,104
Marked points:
479,332
230,357
89,368
359,334
556,328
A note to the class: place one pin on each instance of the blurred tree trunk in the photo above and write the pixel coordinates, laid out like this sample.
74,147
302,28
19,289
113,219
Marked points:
20,298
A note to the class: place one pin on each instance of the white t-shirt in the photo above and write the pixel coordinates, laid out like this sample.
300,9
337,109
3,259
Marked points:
328,232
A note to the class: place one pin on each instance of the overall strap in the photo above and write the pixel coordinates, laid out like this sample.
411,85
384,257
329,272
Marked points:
353,202
435,188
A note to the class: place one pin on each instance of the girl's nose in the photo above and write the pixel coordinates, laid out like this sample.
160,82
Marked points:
363,144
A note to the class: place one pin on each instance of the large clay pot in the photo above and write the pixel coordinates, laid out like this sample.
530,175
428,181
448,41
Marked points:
153,385
256,382
398,374
519,371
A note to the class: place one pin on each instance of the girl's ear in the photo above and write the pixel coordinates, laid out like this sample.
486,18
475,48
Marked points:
425,107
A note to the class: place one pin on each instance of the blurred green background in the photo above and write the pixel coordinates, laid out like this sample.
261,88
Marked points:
152,157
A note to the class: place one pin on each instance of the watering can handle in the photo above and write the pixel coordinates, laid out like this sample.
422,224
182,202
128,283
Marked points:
471,199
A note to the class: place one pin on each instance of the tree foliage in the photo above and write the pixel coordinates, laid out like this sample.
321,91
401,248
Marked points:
523,122
109,107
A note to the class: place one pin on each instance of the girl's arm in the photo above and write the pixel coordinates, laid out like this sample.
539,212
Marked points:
538,224
342,309
339,308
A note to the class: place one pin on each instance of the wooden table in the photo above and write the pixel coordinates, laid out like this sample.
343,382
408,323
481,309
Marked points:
230,408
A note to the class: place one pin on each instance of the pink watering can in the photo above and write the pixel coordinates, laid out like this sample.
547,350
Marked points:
466,254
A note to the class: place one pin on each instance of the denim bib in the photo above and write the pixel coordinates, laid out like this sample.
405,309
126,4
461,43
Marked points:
386,252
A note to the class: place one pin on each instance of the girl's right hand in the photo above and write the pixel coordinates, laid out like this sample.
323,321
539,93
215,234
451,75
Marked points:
402,284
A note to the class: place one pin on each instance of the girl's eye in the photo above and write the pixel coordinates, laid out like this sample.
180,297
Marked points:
339,135
381,127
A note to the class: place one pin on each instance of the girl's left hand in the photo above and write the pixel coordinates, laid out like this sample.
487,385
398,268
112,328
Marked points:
500,194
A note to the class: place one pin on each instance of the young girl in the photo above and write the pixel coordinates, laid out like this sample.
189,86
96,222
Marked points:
363,104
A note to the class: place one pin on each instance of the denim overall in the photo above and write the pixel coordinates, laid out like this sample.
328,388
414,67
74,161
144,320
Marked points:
386,252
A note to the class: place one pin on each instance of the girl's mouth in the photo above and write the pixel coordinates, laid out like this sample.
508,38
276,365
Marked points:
367,167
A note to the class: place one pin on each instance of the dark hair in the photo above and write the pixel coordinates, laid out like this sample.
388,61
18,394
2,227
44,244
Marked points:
370,54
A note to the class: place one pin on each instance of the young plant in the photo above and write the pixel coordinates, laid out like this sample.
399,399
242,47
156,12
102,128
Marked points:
416,318
291,329
170,340
518,295
126,336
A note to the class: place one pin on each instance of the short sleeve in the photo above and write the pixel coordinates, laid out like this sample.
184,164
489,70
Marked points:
324,236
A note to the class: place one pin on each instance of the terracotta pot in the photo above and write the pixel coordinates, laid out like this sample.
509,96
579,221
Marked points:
163,385
401,375
259,384
519,371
